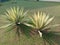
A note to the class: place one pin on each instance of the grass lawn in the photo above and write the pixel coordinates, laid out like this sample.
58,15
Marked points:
9,38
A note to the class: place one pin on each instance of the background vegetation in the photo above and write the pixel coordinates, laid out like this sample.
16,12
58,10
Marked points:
53,8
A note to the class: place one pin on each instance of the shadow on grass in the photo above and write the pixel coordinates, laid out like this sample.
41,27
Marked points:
53,38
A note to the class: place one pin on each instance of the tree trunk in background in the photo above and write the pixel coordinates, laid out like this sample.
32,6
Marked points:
37,0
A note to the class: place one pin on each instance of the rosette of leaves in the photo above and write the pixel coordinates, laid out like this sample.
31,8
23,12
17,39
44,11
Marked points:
16,17
40,23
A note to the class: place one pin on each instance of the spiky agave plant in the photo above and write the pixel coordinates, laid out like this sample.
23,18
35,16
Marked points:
40,22
16,16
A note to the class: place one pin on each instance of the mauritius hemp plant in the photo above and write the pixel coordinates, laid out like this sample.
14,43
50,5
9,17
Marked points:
40,21
20,21
16,17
